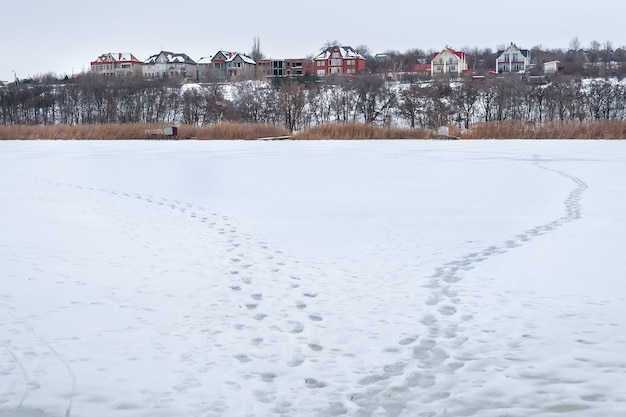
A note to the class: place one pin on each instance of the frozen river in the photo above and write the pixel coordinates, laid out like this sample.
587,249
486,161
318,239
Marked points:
321,278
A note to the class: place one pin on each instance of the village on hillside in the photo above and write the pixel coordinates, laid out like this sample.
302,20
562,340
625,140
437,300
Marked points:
335,60
340,84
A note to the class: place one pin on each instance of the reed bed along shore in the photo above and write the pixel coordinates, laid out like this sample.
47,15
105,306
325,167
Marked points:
607,129
361,131
604,129
140,131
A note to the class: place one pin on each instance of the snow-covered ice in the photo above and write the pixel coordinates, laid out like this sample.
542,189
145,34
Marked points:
357,278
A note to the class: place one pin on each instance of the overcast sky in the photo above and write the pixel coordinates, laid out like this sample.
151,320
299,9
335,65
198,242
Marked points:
63,36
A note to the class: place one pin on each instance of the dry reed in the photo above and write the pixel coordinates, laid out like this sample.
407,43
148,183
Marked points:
139,131
607,129
360,131
603,129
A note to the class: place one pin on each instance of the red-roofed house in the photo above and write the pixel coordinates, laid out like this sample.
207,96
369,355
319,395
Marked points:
448,61
338,60
116,64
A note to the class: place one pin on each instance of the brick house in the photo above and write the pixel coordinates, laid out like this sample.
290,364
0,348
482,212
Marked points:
513,59
448,61
283,67
168,64
116,64
338,60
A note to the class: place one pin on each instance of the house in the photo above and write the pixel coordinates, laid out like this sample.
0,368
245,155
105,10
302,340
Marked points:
116,64
512,59
240,67
204,69
168,64
226,66
283,67
218,68
551,67
338,60
448,61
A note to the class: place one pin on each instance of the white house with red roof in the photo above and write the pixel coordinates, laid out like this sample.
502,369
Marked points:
116,64
448,61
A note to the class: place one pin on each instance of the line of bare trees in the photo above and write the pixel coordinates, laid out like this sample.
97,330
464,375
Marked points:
302,103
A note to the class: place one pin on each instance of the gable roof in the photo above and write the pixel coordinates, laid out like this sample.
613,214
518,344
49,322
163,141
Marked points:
116,57
243,57
345,51
459,54
524,52
172,58
221,55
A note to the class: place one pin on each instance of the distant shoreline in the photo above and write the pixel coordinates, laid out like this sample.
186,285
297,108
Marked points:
606,129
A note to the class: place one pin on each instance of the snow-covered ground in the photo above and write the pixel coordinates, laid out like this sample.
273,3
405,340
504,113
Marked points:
358,278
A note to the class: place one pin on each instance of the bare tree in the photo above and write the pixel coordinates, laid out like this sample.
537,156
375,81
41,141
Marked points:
374,99
411,105
593,53
291,103
256,53
463,100
330,44
574,44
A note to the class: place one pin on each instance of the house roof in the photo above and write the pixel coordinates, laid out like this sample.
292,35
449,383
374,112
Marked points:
345,51
524,52
205,60
459,54
172,58
421,68
222,55
116,57
243,57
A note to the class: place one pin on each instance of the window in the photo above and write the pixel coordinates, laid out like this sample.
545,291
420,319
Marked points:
320,63
335,70
335,62
439,68
321,73
506,57
336,55
452,68
514,57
